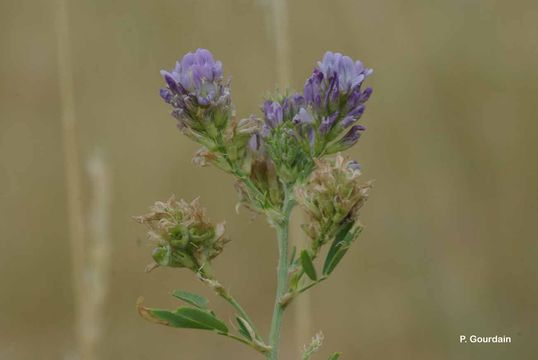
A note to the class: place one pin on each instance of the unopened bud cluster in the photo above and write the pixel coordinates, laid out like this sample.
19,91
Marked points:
182,234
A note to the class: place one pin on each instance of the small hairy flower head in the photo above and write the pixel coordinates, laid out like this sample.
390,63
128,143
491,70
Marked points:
200,97
182,234
335,96
332,197
198,74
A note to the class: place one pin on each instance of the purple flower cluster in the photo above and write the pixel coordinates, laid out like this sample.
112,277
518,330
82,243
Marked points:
288,110
277,112
196,87
332,101
296,128
334,92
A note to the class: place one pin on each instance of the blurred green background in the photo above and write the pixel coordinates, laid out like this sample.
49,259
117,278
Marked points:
450,246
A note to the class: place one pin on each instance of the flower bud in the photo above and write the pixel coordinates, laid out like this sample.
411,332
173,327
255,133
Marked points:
262,191
348,140
237,137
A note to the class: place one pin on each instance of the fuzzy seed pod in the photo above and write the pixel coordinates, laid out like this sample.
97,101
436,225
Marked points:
183,235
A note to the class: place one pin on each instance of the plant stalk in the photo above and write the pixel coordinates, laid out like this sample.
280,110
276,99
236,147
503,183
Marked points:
282,276
207,272
231,300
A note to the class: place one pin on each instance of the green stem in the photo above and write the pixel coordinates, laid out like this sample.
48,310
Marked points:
311,285
207,272
230,299
253,345
258,195
282,276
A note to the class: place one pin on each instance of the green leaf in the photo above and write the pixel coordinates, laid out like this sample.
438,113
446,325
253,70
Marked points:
334,356
189,318
340,234
308,266
244,328
343,239
195,300
335,260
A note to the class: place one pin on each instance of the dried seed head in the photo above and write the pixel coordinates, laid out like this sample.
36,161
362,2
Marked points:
331,197
183,235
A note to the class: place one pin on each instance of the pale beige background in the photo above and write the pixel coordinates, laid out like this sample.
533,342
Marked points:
450,246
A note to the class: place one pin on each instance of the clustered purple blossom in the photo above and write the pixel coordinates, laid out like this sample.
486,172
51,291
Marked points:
290,110
322,118
195,87
332,101
277,112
